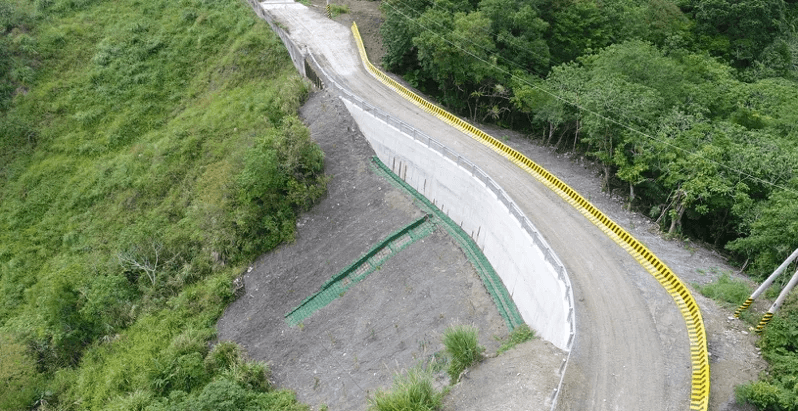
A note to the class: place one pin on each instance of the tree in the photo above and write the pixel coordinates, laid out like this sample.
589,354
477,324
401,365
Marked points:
460,59
518,34
579,27
772,231
738,30
398,30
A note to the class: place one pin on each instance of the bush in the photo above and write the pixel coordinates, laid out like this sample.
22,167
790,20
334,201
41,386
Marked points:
766,397
410,392
462,346
779,345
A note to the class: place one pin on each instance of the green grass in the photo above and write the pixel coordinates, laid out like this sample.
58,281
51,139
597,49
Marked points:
338,9
463,348
154,152
410,392
726,289
519,335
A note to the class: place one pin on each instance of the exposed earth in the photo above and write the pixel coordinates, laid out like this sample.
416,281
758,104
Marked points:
393,320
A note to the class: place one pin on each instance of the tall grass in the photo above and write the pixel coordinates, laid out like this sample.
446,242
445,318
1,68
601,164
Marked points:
410,392
463,348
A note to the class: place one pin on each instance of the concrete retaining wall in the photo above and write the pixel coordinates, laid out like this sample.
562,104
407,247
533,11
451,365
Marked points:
528,268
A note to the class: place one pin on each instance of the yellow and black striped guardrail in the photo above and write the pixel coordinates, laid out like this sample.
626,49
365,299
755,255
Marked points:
699,395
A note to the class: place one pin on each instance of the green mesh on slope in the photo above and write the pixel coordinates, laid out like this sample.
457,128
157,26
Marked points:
361,268
497,290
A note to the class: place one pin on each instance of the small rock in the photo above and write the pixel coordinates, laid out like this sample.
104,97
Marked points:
744,332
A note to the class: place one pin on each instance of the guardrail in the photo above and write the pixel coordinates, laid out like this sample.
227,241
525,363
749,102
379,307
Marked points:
699,396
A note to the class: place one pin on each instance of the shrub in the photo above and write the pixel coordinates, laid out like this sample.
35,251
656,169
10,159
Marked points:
766,397
462,346
410,392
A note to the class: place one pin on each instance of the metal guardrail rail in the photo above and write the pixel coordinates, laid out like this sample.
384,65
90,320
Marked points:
699,396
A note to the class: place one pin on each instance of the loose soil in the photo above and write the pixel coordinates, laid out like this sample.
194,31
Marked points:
394,319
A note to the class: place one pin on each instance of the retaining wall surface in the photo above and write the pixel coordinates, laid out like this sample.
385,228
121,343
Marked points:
464,196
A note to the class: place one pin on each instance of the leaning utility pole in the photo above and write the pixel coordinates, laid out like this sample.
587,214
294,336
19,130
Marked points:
766,283
779,301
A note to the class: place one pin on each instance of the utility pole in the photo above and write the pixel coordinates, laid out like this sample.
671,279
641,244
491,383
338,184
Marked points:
779,301
766,284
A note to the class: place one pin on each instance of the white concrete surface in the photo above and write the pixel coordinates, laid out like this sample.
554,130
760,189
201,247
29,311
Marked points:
532,281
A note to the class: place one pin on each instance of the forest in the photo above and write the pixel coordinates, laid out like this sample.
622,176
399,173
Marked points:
689,109
149,151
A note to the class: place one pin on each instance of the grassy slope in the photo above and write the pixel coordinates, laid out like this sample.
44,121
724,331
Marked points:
152,130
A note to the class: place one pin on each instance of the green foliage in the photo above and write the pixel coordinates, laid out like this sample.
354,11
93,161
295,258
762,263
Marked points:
726,289
338,9
146,149
19,380
779,345
463,348
398,31
738,30
773,232
410,392
520,334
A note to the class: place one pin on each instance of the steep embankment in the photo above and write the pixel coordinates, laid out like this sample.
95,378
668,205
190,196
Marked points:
155,148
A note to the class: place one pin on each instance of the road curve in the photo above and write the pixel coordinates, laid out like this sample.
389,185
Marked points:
631,350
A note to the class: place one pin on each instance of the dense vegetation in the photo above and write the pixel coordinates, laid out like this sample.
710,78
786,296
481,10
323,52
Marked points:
690,108
148,150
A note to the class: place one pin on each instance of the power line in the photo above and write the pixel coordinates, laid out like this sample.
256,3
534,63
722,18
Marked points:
577,105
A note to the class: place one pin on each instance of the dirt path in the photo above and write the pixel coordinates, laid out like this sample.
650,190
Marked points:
631,351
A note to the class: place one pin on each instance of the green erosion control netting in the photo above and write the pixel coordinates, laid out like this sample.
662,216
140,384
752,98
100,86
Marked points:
495,286
361,268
